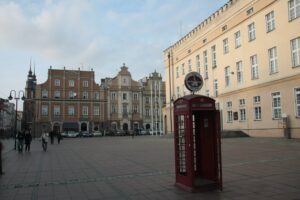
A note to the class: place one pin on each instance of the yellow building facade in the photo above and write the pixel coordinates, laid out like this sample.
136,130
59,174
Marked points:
248,53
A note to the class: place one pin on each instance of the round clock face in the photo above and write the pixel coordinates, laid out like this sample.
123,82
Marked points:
193,81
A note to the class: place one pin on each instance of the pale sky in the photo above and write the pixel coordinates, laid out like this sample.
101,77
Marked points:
98,34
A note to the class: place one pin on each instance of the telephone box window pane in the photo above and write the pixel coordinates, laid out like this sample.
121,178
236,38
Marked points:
181,145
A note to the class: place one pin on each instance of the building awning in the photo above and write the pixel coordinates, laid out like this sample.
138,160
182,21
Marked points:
70,125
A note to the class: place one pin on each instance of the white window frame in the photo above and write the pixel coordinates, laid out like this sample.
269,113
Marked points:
273,60
71,94
85,110
254,67
205,64
198,63
182,69
97,95
177,72
71,83
295,51
213,56
45,94
229,116
113,108
96,110
56,82
242,102
135,108
216,88
251,32
270,22
294,9
256,99
257,113
229,104
56,94
56,110
85,94
44,110
227,76
85,83
242,113
71,110
190,65
297,101
135,96
276,105
239,72
225,46
113,96
237,39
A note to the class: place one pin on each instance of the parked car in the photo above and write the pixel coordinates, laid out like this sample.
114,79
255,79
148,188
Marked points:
119,132
86,134
64,134
72,134
97,133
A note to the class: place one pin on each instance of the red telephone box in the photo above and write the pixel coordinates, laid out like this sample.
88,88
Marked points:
197,144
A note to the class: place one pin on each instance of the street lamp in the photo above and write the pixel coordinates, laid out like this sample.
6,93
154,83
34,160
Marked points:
16,98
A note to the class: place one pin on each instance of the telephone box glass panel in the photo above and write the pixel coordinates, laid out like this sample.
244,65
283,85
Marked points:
181,144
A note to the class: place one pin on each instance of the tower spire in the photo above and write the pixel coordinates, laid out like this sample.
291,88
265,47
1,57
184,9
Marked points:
30,72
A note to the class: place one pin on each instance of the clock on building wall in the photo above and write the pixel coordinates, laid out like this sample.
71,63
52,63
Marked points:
193,81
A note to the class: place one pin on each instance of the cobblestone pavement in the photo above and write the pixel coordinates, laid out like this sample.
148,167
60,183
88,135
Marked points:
143,168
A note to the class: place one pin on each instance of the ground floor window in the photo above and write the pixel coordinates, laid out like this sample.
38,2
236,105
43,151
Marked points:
276,105
297,99
243,114
257,113
229,116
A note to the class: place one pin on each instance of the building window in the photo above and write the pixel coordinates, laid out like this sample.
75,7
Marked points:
256,99
294,9
135,96
56,82
113,108
182,69
71,110
276,105
85,95
56,110
135,108
124,108
71,94
227,76
295,46
205,63
96,95
257,113
229,104
44,110
242,102
147,100
229,116
96,110
297,100
198,63
250,11
215,87
270,22
237,39
71,83
254,67
56,94
225,46
190,65
177,72
44,94
147,112
213,56
251,32
124,96
273,63
243,114
239,69
178,91
113,96
85,83
85,110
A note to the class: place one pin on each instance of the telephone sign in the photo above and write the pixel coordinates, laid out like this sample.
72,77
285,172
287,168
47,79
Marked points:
193,81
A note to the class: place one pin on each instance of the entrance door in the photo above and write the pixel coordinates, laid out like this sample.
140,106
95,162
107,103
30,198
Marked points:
204,147
83,127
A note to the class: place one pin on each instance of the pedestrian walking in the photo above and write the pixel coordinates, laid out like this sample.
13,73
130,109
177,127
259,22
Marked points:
51,137
28,139
21,136
58,135
44,141
1,149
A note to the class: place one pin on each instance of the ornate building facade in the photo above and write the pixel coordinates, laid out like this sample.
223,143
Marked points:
248,53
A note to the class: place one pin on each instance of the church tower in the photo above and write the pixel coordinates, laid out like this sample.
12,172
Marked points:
29,102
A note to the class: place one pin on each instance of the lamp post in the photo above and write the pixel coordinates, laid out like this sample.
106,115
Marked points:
16,114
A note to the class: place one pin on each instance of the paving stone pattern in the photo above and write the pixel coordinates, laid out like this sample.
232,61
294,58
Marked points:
143,168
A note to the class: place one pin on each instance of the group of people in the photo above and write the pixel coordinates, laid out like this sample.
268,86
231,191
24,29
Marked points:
24,137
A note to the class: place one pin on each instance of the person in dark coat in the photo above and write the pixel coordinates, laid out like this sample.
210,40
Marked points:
58,135
52,136
28,139
21,136
1,148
